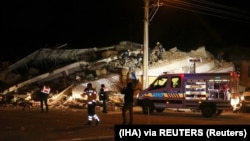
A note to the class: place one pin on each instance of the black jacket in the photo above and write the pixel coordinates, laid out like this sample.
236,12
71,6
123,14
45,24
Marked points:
129,93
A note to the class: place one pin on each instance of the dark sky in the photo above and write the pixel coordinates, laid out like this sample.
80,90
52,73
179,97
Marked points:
29,25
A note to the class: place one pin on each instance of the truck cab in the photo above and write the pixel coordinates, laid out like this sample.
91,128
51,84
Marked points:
209,93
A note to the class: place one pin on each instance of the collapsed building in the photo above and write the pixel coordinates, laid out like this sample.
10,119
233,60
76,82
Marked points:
69,70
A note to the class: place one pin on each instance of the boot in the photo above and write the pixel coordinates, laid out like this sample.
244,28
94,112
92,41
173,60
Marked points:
88,123
97,122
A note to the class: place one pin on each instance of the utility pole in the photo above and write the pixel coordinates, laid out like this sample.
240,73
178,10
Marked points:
147,18
145,45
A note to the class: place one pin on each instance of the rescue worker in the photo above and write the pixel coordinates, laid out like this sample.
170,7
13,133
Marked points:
91,93
44,97
103,96
160,49
139,59
124,56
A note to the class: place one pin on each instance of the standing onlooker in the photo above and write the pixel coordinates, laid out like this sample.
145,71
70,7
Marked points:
91,94
44,97
104,97
128,103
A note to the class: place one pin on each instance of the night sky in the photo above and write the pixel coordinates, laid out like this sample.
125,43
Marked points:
29,25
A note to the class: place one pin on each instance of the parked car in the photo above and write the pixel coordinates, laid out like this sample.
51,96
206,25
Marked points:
245,101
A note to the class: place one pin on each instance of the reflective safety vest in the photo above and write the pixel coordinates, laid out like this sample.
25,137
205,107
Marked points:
91,93
46,90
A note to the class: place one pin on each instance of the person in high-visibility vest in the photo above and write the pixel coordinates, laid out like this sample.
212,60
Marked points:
44,97
91,94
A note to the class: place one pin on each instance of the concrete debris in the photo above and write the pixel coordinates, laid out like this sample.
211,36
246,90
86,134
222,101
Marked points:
69,70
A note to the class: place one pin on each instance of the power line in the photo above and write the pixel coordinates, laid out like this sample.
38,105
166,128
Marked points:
222,6
210,8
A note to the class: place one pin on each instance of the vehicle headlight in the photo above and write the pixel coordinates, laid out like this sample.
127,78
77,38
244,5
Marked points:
137,95
235,101
242,98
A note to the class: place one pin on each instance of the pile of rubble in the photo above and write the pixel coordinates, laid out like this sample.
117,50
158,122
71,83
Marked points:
72,70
